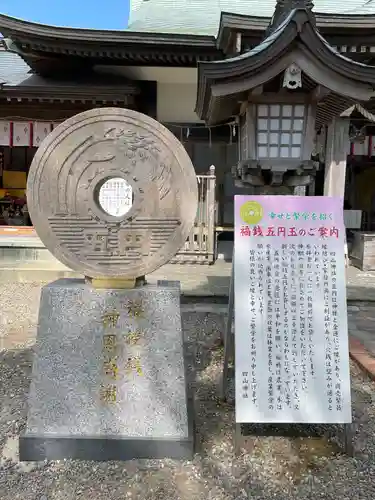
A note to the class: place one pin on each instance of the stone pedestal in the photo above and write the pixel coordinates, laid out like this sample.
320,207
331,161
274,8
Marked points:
362,254
108,379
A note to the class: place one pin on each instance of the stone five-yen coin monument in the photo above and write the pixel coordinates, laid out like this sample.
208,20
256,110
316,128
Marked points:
113,195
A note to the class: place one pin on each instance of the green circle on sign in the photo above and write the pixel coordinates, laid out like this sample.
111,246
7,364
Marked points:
251,212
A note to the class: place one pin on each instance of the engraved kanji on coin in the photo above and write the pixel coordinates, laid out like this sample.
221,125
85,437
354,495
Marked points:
112,192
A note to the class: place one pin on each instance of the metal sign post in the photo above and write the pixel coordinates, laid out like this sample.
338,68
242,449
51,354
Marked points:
228,339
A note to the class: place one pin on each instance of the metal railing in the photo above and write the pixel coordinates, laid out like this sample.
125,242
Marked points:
199,247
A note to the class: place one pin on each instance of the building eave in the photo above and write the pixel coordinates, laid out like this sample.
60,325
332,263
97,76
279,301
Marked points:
91,88
344,66
23,30
68,58
346,21
230,23
66,93
296,37
256,26
36,43
240,66
238,23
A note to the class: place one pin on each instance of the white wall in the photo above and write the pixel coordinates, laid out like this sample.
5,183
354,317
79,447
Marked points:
176,102
176,89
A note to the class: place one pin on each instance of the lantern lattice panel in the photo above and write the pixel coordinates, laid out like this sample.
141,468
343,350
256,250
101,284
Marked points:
280,130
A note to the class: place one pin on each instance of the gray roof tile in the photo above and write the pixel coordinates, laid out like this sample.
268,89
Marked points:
202,17
13,69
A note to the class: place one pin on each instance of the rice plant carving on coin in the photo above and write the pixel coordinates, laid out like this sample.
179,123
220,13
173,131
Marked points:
112,192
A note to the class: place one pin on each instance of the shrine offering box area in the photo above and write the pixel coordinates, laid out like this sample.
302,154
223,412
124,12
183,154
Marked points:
108,379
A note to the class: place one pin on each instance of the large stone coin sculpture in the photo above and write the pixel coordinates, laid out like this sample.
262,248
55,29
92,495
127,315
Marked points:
113,195
74,164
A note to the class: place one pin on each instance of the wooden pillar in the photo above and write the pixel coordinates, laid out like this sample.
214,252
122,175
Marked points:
238,43
311,187
337,150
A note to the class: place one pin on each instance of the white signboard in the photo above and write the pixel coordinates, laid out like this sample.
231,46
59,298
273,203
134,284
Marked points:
116,197
291,334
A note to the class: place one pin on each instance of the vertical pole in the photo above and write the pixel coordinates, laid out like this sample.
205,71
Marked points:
211,201
228,335
311,189
348,439
237,439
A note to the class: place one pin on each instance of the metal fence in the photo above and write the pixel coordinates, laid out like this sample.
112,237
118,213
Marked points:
199,247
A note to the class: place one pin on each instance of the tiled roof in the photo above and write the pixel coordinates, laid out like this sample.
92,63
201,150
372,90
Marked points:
15,72
201,17
13,69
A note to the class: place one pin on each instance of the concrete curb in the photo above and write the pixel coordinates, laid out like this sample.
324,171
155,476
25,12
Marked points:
208,308
362,357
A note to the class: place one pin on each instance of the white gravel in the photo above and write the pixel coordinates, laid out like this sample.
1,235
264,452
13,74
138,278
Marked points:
268,468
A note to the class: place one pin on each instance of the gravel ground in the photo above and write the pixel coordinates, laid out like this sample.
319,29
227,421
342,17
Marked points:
267,468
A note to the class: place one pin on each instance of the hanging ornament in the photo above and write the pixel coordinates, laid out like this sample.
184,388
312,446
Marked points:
188,133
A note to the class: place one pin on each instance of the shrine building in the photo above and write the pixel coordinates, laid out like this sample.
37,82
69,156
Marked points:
267,97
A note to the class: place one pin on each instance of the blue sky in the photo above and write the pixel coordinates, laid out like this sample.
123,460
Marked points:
98,14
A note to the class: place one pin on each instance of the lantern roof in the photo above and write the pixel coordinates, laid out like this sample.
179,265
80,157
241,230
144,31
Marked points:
328,77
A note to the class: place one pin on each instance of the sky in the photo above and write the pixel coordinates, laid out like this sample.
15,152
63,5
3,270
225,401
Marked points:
96,14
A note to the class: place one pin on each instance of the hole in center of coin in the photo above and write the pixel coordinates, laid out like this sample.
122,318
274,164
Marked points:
115,196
